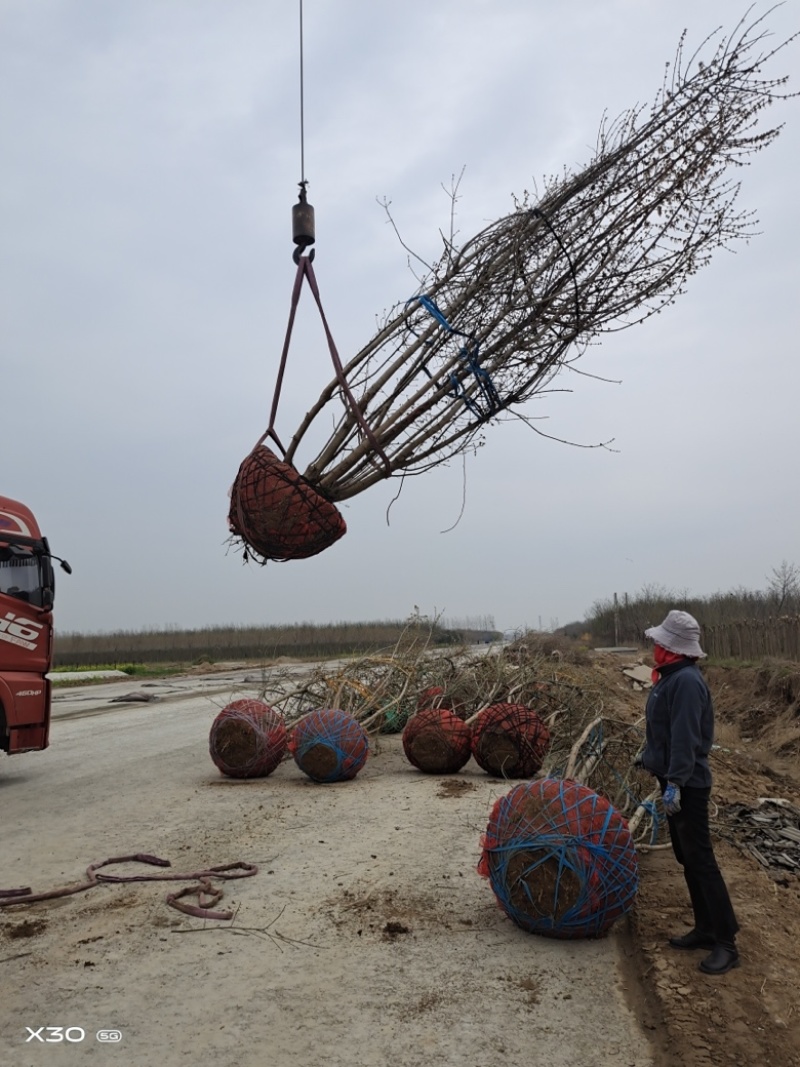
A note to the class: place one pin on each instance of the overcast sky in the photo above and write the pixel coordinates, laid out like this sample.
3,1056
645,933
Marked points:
149,160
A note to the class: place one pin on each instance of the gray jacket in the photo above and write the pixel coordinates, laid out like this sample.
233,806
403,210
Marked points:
680,726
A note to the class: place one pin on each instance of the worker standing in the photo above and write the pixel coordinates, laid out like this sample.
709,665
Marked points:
679,734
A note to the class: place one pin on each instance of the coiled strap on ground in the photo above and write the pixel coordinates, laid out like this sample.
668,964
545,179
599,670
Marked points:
206,893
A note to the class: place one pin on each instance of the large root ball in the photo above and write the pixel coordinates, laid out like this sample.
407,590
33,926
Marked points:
510,741
329,745
247,739
437,741
559,859
277,513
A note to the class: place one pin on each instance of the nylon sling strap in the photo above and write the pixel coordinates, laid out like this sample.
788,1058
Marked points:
306,271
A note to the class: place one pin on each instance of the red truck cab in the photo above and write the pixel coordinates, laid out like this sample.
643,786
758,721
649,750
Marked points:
27,590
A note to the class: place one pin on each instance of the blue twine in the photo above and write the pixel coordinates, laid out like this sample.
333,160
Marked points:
470,353
656,821
603,861
341,734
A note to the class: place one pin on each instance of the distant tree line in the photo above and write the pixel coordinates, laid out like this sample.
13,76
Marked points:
219,643
740,624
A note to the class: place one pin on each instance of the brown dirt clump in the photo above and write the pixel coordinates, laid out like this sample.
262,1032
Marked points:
431,753
26,928
455,787
544,891
237,742
499,754
319,761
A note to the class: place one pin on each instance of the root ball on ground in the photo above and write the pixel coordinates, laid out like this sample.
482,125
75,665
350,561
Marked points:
247,739
510,740
437,741
559,859
329,745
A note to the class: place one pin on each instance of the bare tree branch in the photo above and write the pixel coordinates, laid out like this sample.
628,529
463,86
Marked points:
494,321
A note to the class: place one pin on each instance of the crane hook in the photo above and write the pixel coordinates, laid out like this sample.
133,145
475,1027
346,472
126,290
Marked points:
302,225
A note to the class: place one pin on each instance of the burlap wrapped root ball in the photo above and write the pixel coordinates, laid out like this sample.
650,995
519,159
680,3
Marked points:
510,740
559,859
277,513
437,741
247,739
329,745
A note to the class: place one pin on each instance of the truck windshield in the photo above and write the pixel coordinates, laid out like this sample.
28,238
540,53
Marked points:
21,576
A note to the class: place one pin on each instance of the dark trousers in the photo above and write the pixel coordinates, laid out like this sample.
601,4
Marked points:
691,843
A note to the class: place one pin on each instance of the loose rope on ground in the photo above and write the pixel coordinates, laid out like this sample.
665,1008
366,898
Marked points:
205,891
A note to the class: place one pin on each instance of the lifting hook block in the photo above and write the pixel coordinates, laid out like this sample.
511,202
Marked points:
302,224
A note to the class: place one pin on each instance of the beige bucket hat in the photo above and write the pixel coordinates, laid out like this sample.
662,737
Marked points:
678,633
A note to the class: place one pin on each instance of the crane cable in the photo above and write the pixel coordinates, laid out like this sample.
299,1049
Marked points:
302,109
303,234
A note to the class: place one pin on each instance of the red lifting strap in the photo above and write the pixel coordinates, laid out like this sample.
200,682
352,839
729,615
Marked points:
306,270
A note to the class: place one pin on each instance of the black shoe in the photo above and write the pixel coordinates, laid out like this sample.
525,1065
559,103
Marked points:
693,939
723,959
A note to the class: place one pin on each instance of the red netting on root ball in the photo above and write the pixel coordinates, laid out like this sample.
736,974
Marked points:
277,513
510,740
560,859
329,745
432,697
436,741
247,739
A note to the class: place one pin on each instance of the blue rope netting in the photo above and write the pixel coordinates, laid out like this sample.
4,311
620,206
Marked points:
470,353
560,859
329,745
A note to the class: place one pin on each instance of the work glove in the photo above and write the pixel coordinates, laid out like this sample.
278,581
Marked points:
672,799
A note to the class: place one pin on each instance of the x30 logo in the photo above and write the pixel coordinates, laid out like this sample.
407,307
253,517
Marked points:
74,1034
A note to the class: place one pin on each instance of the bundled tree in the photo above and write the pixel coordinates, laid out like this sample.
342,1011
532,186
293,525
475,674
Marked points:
494,321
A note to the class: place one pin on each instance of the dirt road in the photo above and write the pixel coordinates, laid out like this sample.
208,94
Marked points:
366,939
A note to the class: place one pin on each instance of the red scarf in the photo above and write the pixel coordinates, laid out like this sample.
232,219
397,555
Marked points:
663,656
